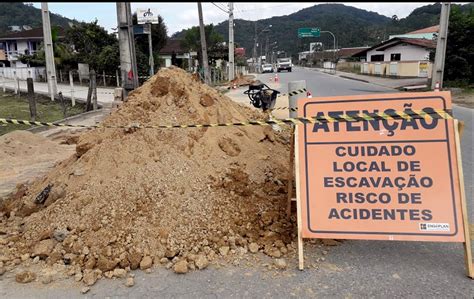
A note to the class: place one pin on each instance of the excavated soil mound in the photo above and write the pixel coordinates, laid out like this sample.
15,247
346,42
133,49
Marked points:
131,198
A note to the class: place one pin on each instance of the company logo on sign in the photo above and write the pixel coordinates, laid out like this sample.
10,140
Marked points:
435,227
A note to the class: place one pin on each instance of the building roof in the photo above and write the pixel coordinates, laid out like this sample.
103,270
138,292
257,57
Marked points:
35,33
431,29
348,52
172,45
420,42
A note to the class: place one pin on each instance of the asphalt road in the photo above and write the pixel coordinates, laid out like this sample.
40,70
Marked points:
354,269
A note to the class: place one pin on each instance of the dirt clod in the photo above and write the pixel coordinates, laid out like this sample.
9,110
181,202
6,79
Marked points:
181,267
25,277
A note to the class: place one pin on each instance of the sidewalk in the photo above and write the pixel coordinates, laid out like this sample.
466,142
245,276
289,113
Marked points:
105,95
382,81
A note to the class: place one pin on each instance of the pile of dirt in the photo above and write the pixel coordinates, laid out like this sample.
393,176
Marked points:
24,156
242,80
131,198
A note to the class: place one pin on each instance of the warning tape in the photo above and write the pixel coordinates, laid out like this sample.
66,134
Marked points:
395,115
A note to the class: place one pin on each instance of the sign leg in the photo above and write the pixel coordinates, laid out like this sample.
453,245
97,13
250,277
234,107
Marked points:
298,202
458,127
291,173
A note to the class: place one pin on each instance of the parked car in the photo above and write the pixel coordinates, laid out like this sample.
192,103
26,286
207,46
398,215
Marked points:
267,68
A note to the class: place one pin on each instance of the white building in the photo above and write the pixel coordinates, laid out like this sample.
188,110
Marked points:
399,49
23,42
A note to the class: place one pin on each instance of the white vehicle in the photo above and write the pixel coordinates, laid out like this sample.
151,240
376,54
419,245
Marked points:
284,64
267,68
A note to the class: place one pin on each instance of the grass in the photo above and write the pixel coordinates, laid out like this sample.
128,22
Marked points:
12,106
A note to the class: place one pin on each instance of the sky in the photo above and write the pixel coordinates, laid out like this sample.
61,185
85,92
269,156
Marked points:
178,16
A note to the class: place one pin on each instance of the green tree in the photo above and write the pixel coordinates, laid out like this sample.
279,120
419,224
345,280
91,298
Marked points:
89,40
459,64
192,42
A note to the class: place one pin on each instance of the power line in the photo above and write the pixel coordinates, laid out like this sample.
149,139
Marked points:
220,7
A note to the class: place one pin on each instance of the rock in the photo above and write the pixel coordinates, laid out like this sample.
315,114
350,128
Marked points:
2,271
89,277
163,260
36,260
146,263
25,277
330,242
78,277
85,290
201,262
43,248
224,250
105,264
109,274
280,263
130,282
90,262
78,171
48,278
134,258
60,234
120,273
206,100
253,247
181,267
273,252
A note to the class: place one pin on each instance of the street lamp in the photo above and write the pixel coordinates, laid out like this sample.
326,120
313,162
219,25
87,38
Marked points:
266,29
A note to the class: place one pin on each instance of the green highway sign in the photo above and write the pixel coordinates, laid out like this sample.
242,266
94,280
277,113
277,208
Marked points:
309,32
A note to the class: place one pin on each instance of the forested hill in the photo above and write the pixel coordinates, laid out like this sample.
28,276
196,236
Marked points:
352,27
18,13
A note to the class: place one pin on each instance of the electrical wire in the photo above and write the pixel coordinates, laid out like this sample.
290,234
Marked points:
220,7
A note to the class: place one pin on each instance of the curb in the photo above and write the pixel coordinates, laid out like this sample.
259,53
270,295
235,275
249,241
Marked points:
352,78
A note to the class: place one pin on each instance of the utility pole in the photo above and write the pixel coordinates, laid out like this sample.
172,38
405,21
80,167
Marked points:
231,41
266,50
438,67
48,51
128,65
205,62
150,48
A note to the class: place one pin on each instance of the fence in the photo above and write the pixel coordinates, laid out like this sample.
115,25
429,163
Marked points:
37,73
421,69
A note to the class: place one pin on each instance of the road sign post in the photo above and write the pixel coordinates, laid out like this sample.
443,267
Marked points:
148,16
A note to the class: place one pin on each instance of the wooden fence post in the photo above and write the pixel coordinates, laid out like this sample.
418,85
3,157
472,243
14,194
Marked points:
63,104
71,84
103,76
117,77
94,90
31,98
89,94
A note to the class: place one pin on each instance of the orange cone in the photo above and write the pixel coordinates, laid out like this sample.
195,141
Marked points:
308,94
276,78
436,86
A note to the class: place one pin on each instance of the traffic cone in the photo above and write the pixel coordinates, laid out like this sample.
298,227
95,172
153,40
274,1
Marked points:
276,78
436,86
308,94
234,86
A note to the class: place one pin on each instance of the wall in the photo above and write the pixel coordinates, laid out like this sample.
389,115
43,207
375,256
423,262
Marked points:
408,52
401,68
37,73
373,52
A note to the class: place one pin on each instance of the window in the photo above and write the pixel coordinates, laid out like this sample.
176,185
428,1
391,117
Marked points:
378,57
395,57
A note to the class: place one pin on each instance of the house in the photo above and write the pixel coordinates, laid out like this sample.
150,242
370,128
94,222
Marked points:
22,42
174,54
426,33
399,56
341,55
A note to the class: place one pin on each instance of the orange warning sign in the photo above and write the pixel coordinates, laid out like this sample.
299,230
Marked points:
393,179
